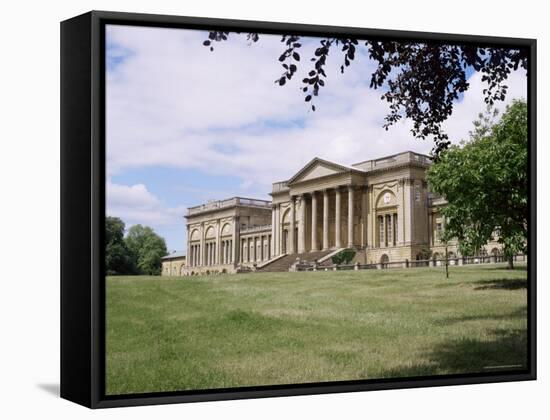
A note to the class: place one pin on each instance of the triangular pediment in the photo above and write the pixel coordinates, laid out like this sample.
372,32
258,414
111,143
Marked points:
318,168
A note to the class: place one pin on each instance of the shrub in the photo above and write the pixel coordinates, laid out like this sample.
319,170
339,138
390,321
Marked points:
343,257
425,253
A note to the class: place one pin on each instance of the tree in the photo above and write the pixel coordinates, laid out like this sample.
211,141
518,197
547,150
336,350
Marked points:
485,183
146,248
423,79
117,256
343,257
425,253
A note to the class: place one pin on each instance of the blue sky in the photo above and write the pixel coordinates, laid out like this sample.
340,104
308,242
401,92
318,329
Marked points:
186,125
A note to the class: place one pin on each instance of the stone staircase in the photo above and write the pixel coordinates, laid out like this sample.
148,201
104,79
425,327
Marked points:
284,263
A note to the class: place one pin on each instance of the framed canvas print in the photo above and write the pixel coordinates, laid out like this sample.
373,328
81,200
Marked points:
255,209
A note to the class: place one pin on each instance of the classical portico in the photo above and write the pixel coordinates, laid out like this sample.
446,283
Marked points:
318,209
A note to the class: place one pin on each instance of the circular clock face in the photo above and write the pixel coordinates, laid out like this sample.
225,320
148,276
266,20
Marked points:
387,198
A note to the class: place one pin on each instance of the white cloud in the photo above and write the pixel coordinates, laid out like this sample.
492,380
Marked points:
467,110
175,103
135,204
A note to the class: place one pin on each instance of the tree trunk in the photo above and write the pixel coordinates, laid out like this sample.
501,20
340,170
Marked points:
510,265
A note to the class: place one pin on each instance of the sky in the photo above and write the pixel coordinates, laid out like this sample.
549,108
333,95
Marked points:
185,125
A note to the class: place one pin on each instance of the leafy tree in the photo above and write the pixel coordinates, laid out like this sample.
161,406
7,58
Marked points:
146,248
343,257
485,183
117,256
425,253
423,79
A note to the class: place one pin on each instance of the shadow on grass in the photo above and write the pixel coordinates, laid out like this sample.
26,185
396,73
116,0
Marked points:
503,284
518,313
521,267
506,351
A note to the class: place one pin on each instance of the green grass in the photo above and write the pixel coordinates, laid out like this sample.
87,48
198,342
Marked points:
167,334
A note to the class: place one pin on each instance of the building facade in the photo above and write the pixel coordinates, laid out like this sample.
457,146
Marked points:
382,208
173,264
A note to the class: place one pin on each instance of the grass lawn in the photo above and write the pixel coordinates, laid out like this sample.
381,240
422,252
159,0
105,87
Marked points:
168,334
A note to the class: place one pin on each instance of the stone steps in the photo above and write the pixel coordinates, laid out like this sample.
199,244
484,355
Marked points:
284,263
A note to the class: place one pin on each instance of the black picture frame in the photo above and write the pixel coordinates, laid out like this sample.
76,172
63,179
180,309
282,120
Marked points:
83,211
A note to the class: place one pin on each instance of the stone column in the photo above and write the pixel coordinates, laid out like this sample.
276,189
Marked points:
234,249
408,223
325,219
350,216
188,253
338,229
314,246
401,213
272,241
197,255
292,245
218,247
277,231
261,248
202,247
302,225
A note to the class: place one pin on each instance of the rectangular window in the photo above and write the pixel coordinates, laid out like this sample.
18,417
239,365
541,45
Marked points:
395,228
381,231
389,240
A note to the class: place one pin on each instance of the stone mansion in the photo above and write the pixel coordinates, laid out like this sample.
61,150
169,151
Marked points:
382,208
